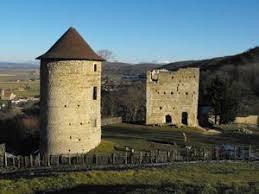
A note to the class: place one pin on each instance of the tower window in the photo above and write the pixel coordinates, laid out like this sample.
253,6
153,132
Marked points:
95,123
95,67
94,93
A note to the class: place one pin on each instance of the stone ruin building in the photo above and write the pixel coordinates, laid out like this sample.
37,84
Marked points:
172,97
70,88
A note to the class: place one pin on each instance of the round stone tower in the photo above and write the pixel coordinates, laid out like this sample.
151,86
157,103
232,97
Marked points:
70,96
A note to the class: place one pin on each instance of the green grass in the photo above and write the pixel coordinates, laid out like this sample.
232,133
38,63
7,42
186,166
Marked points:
8,80
182,178
18,74
31,88
147,138
199,178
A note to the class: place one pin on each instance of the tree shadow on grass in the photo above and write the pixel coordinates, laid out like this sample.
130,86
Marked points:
117,189
152,189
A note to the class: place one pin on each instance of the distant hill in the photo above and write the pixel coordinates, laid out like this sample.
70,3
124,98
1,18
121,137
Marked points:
108,67
127,68
241,69
10,65
249,57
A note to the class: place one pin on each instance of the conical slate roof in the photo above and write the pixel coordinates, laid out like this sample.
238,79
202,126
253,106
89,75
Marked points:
71,46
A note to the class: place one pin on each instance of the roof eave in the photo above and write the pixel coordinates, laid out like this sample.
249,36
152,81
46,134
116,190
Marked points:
69,58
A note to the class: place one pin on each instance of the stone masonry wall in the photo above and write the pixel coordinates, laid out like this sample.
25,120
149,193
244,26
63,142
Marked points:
248,120
70,116
172,97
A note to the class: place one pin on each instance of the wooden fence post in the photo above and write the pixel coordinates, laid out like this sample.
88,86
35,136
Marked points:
61,160
168,156
48,160
5,160
140,158
204,155
126,157
77,159
25,161
177,154
132,157
39,160
69,160
57,157
195,153
157,153
113,158
13,161
96,159
31,162
245,152
83,159
249,152
187,154
217,152
19,162
235,152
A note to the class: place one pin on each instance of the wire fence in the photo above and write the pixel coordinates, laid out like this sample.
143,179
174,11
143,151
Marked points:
131,157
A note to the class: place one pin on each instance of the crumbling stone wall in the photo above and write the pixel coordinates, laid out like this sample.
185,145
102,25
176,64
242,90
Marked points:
248,120
172,97
70,106
2,149
111,120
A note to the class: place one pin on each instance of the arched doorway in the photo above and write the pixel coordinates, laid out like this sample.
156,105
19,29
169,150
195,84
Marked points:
168,119
185,118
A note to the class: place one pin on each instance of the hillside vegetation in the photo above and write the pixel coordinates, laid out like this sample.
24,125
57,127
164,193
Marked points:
127,98
200,178
241,71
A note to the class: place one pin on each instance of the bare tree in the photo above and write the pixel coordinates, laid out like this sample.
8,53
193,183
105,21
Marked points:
132,103
106,54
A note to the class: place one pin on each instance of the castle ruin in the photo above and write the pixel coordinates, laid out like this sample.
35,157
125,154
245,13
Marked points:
172,97
70,92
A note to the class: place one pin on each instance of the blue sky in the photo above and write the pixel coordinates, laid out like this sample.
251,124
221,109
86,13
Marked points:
134,30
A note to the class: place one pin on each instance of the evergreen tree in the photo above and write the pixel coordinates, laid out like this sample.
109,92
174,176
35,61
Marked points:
223,98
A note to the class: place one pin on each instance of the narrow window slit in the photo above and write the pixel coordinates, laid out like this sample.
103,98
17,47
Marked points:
94,93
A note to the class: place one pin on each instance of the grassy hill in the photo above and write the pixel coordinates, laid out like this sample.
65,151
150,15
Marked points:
242,70
247,58
200,178
117,69
10,65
